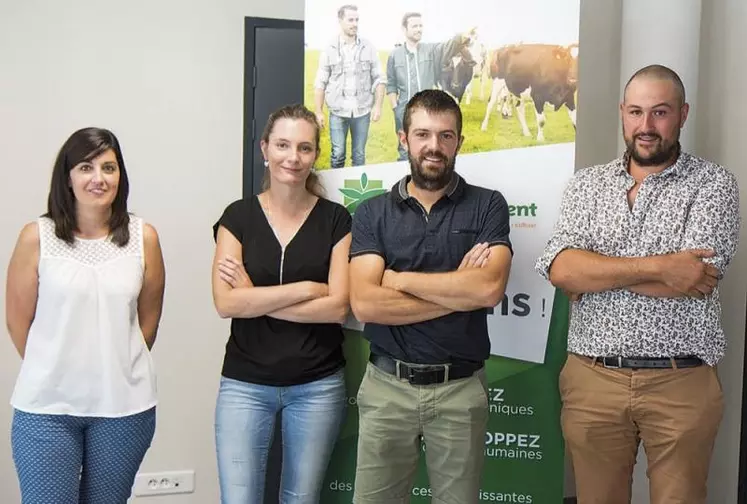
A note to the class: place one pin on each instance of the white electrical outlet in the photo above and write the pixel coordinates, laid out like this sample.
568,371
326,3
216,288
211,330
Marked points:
163,483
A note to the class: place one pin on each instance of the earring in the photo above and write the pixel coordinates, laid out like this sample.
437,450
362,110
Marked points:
267,163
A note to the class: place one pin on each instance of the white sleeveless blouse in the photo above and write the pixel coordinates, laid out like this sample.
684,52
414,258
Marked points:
85,354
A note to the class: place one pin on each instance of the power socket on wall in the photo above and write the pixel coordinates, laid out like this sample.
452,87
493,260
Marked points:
164,483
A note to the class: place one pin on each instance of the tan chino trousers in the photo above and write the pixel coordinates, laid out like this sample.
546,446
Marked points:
606,413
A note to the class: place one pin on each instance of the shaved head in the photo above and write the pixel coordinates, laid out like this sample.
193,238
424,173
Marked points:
659,72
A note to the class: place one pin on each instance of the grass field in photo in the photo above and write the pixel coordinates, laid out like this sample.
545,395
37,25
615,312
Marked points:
501,133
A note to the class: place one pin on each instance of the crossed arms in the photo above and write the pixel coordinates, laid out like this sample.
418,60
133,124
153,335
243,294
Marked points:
235,295
671,275
709,243
383,296
378,295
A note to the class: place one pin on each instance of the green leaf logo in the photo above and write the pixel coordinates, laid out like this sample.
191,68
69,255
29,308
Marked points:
356,191
351,193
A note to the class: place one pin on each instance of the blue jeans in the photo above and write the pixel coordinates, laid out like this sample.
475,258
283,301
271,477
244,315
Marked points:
64,459
338,136
312,414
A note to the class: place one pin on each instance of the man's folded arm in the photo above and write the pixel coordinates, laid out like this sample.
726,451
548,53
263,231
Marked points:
712,224
370,302
465,289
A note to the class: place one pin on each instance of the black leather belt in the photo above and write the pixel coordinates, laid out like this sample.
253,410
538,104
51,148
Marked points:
617,362
424,374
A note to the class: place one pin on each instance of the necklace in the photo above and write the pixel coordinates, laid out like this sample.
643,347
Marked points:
268,210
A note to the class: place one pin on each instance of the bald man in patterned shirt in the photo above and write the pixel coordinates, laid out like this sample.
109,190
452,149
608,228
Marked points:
640,247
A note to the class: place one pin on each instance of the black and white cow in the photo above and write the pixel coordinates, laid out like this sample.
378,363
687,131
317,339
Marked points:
458,73
479,54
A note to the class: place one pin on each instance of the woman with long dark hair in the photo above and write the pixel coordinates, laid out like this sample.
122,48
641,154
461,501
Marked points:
84,296
280,273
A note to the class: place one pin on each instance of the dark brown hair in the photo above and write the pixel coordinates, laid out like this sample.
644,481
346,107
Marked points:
406,18
83,146
297,112
432,100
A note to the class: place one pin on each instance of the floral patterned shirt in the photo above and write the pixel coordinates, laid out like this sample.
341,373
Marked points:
692,204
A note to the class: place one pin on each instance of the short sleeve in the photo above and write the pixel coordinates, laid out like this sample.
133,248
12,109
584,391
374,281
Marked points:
365,241
496,227
231,220
341,223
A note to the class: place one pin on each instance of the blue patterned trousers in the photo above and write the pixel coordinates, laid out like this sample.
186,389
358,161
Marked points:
64,459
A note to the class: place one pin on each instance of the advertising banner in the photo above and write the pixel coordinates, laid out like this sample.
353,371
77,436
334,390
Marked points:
512,67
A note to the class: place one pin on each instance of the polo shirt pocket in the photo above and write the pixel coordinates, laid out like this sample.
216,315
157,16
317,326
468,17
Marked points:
460,242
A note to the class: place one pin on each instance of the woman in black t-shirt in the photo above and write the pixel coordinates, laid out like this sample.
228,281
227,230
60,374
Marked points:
280,274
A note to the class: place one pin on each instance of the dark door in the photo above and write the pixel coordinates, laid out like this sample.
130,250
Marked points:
273,77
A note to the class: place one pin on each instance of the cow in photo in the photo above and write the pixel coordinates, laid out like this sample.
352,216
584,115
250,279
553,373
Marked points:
545,73
479,54
459,72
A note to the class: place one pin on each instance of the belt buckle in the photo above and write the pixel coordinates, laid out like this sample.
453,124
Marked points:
413,372
397,371
612,366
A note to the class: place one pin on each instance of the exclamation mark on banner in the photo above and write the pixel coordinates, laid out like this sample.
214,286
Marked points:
543,307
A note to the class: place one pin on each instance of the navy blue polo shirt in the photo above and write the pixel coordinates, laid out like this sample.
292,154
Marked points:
396,227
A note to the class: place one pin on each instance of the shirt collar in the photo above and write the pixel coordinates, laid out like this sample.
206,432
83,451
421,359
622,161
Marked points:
341,42
454,189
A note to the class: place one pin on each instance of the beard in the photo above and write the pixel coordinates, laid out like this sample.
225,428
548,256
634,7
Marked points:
431,179
662,152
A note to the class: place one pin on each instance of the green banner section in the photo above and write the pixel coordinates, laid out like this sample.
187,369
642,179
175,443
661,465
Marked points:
524,447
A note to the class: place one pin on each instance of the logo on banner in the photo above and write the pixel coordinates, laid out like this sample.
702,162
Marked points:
524,210
511,445
356,191
523,216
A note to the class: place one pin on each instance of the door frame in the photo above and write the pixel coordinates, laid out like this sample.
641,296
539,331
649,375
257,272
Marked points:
250,172
250,132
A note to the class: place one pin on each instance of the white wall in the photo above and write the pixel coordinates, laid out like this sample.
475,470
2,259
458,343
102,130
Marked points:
167,77
599,76
722,130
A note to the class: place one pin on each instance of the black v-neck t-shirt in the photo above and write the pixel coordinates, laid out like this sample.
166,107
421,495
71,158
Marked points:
270,351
